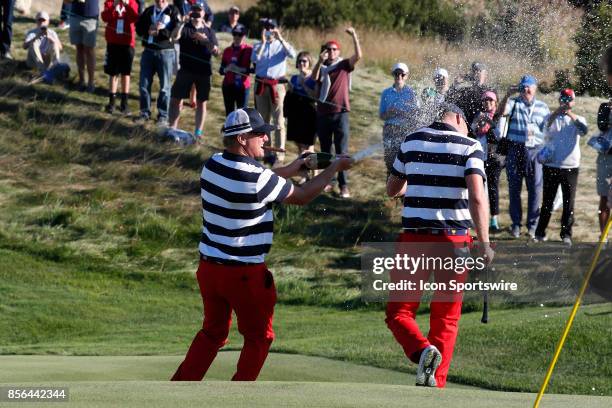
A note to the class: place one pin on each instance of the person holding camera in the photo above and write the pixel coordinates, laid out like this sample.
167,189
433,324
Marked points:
483,126
235,68
120,17
563,130
198,43
43,44
467,91
269,57
155,27
333,74
526,119
83,32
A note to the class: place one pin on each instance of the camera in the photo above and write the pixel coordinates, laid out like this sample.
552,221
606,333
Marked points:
268,23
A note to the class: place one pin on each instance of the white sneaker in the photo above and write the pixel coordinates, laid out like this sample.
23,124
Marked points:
516,231
567,241
428,363
532,232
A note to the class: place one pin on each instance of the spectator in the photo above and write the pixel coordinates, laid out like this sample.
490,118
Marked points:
6,28
398,105
483,127
299,105
43,44
235,67
432,98
184,7
83,32
525,136
64,15
232,20
270,67
466,92
198,44
155,26
120,17
604,159
333,74
563,130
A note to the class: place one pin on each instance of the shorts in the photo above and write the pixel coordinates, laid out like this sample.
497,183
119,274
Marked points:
185,80
83,31
604,174
118,59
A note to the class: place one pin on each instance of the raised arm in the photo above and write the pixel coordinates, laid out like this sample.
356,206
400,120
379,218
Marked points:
305,193
358,54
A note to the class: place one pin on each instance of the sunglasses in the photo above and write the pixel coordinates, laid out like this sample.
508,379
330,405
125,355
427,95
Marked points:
566,99
331,49
303,61
399,74
489,100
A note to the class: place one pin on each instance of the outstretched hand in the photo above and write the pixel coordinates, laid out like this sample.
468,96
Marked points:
351,31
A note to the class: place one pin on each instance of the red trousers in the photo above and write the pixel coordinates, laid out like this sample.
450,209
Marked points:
250,292
444,314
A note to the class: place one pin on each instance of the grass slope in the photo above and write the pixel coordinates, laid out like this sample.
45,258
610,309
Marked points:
98,234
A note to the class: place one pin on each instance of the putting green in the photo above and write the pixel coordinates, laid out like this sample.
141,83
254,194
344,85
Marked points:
287,380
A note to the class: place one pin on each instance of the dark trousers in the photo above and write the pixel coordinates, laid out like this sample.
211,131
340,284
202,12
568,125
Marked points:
6,30
334,128
493,169
568,179
234,98
521,164
65,12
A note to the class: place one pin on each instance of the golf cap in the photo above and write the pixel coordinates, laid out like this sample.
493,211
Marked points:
234,9
478,67
528,80
489,95
441,72
239,30
446,107
400,66
244,121
568,94
42,15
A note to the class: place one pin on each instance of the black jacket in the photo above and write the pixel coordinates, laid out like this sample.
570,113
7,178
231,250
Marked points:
162,40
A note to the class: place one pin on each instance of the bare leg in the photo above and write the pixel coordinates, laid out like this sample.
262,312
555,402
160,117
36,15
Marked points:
80,60
192,97
125,84
604,212
90,55
200,115
175,111
112,83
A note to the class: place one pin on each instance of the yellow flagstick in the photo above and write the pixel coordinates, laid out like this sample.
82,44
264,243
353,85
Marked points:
572,315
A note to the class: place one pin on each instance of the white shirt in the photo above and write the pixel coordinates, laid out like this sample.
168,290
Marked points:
44,42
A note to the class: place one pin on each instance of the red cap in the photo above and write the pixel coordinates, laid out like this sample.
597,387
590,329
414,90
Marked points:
568,92
334,42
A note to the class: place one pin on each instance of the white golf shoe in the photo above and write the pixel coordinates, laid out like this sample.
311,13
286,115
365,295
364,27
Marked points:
428,363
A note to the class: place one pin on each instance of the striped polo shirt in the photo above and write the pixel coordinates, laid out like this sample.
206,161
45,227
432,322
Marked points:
237,196
434,162
523,115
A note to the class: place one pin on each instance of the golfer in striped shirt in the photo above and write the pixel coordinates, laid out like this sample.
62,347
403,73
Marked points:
440,173
237,197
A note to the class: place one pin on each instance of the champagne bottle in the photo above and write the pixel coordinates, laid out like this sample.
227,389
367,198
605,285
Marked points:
316,161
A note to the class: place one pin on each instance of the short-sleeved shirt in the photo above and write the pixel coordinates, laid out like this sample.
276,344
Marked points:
237,198
87,8
44,43
338,96
195,55
403,100
435,161
526,114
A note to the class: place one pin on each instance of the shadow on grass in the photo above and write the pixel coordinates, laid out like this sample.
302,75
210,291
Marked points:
45,93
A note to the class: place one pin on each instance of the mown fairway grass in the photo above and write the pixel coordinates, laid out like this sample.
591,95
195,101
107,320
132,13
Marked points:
100,222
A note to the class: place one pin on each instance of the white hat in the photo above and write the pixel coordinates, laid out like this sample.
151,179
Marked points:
245,120
441,72
42,15
400,66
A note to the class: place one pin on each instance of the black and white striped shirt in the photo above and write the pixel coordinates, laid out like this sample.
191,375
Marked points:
237,197
434,161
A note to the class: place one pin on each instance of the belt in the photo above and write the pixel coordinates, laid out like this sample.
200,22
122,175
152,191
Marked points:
227,262
438,231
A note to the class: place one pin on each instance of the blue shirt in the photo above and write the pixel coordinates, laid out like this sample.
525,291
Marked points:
272,64
298,88
88,9
526,114
403,100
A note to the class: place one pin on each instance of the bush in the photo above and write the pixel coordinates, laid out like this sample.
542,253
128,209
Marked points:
593,38
434,17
